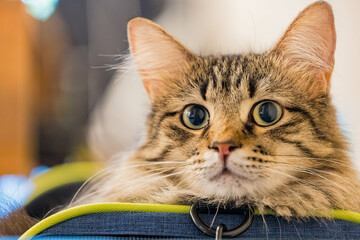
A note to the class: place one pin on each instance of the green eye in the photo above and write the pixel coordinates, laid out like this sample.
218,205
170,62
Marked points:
195,117
267,113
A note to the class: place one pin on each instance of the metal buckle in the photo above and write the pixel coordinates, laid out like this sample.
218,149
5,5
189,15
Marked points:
214,232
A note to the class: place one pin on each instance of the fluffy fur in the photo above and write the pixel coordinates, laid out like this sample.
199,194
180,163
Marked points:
297,167
16,223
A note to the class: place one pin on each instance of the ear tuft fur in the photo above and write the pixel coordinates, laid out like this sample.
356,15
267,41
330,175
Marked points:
160,58
309,42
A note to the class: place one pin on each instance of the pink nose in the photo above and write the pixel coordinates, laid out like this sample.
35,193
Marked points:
224,149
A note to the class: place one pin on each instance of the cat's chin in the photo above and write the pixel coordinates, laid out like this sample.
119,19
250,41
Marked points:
229,176
227,184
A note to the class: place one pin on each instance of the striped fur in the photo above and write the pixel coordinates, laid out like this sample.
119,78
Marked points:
297,167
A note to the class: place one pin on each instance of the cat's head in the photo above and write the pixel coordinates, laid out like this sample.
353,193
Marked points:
241,125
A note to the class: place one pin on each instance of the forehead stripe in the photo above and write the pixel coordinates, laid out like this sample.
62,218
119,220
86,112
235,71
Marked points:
252,87
203,89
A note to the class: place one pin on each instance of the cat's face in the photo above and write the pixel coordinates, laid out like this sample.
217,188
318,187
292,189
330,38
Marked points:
241,125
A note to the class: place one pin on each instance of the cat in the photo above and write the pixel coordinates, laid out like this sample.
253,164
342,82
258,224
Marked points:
256,129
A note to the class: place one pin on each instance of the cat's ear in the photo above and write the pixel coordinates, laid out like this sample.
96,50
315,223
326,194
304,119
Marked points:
160,58
309,43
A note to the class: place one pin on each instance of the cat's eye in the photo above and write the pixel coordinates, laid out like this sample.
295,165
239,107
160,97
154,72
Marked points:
267,113
195,117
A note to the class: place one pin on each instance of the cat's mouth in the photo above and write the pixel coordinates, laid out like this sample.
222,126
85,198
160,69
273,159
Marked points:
227,173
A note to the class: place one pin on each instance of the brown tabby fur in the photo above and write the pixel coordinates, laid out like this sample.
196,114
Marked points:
16,223
299,167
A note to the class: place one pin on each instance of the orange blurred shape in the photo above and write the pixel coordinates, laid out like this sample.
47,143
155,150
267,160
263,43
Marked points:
16,88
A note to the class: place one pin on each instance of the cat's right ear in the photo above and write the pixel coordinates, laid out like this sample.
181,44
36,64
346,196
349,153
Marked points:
160,58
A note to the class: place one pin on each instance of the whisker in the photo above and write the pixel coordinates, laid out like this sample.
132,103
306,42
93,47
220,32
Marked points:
319,175
290,176
296,194
215,215
333,160
100,188
186,180
85,183
265,226
297,231
159,178
312,171
320,159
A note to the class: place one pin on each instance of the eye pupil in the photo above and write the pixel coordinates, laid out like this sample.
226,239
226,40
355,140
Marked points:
196,115
268,112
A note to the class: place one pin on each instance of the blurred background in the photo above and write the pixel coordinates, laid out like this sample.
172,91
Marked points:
58,59
54,67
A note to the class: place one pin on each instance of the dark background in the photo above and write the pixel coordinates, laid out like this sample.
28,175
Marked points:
91,34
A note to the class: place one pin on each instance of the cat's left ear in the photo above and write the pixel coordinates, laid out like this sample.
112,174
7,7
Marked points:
309,44
160,58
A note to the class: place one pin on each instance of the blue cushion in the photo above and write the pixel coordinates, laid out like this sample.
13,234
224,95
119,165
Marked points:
142,225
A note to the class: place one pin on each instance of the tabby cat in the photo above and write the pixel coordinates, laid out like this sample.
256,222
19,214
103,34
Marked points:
257,129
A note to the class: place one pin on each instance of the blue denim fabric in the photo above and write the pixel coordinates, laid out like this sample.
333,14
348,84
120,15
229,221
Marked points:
144,225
